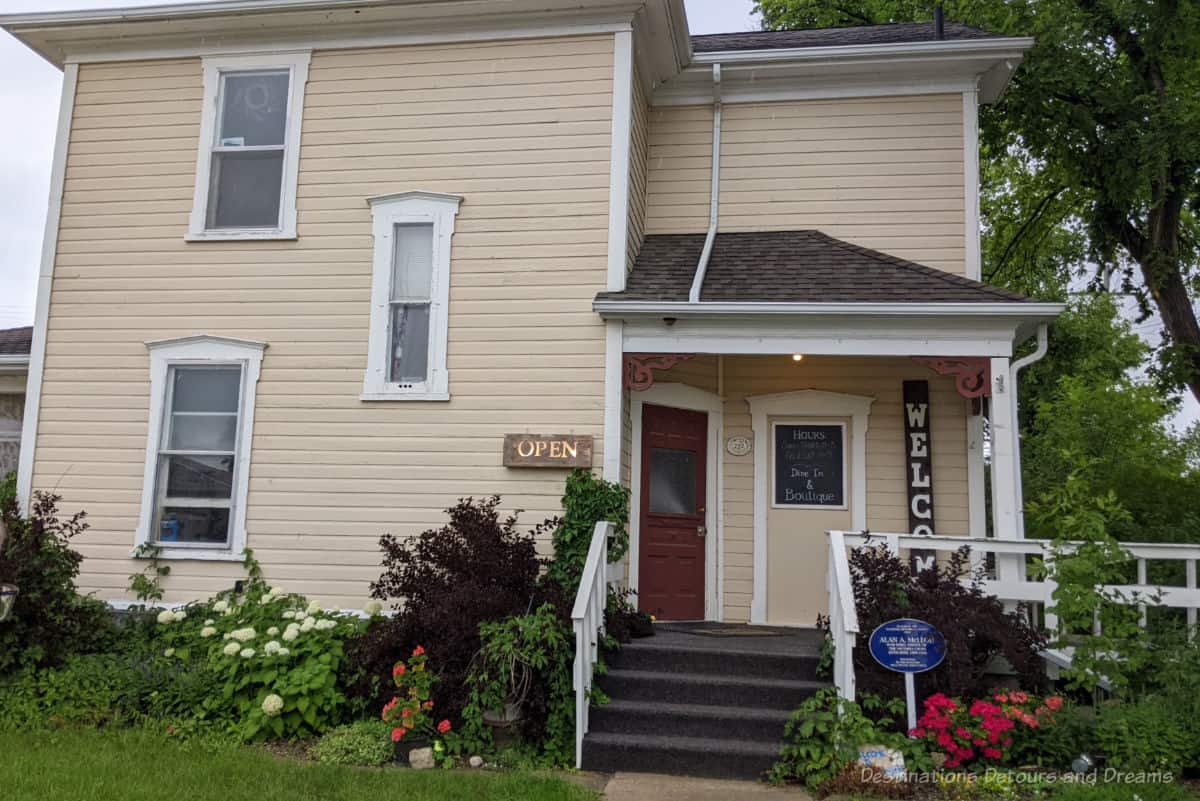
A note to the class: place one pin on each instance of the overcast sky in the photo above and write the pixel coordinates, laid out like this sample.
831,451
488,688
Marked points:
29,90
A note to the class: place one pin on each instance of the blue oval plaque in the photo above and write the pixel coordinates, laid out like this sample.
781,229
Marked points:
908,646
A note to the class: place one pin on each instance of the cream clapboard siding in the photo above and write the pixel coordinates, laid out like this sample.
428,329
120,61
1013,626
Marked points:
885,173
887,493
521,129
639,130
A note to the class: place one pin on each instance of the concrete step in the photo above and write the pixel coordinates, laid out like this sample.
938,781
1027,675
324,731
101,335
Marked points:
683,756
706,688
621,716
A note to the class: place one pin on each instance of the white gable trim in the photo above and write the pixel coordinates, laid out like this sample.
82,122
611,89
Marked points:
802,403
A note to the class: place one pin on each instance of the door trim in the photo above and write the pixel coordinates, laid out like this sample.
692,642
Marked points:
802,403
681,396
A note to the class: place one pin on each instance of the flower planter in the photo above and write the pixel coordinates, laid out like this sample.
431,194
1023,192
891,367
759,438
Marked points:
406,745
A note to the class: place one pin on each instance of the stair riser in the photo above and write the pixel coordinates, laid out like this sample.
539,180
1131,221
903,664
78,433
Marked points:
629,688
720,664
626,721
610,758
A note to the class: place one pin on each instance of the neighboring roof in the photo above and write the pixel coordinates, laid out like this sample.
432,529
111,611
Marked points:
897,33
16,341
792,267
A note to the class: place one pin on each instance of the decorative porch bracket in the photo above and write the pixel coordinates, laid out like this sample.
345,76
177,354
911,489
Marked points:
972,375
640,367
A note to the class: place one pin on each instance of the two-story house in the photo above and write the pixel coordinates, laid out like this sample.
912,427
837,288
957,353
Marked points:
314,269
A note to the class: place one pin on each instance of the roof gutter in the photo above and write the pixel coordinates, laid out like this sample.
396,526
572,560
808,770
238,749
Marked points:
655,308
1002,46
715,200
9,362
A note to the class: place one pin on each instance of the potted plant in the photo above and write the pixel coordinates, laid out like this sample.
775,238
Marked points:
410,712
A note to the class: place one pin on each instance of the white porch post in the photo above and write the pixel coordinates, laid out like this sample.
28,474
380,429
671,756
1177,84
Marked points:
1004,470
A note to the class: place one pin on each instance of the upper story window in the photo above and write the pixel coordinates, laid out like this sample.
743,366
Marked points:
249,156
198,448
410,293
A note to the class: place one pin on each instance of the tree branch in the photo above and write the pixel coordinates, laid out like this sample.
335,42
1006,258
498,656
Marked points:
1025,226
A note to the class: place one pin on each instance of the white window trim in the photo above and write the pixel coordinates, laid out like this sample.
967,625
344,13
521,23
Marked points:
388,211
297,65
208,351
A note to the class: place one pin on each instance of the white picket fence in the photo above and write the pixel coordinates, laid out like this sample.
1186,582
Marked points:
587,618
1010,583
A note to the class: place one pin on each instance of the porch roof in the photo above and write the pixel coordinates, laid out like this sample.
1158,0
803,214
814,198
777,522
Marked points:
792,267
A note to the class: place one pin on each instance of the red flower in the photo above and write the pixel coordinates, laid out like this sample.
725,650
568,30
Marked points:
443,727
418,651
992,753
1054,702
428,704
405,712
397,734
388,707
399,670
1001,697
1019,696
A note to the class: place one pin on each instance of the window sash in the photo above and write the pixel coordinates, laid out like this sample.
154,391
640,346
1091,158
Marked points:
164,453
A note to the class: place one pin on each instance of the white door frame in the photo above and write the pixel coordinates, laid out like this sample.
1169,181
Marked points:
681,396
802,403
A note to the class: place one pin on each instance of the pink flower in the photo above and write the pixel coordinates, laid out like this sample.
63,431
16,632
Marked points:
418,651
1054,702
992,753
397,734
399,670
443,727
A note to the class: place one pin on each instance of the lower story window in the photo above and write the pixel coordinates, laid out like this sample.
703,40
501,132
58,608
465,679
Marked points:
198,447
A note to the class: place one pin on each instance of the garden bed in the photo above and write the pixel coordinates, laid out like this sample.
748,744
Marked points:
139,765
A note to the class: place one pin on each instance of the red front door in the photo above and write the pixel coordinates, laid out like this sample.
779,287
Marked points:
671,533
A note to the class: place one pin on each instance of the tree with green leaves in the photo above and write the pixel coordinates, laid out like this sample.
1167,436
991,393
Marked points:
1093,154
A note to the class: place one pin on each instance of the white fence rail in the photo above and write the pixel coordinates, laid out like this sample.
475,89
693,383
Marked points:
587,617
1010,584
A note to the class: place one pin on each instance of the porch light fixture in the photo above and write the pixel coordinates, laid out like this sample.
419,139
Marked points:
8,597
797,357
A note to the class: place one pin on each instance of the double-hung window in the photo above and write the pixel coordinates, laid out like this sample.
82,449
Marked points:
198,448
249,158
410,293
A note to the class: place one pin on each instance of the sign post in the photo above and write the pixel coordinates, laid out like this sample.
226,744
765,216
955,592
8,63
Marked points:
910,647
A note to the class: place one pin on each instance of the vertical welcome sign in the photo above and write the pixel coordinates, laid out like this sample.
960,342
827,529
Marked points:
919,467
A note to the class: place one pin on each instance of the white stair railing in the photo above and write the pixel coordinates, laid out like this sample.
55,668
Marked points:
587,617
843,619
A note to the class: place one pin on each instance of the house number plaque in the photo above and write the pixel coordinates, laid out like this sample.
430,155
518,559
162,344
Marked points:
542,450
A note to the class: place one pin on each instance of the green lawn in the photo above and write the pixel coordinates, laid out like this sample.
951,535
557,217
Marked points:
129,765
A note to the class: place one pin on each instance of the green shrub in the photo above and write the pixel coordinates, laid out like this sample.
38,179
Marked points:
365,743
1142,736
1160,791
823,735
587,501
1053,745
50,621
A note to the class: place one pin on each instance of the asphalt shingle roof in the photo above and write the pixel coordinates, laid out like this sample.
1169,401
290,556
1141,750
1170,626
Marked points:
16,341
897,33
792,267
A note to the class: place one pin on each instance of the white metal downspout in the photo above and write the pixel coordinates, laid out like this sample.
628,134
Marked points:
1043,342
702,265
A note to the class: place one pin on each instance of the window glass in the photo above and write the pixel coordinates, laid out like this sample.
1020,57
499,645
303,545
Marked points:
410,342
412,284
245,191
253,109
197,463
412,262
672,481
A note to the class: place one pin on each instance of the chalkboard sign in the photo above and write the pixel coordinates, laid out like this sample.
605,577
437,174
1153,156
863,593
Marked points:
810,466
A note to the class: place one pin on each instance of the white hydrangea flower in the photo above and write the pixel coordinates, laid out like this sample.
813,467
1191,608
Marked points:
301,614
244,635
314,607
209,622
221,607
373,608
273,591
169,652
293,631
289,614
246,653
180,616
325,624
207,632
283,652
272,705
273,631
271,648
231,649
308,624
166,617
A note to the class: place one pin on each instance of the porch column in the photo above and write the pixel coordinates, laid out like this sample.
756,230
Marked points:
1004,470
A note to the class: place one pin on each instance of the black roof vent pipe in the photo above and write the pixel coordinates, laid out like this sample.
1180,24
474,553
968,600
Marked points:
939,23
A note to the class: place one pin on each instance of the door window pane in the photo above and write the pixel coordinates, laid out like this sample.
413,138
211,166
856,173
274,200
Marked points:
410,342
253,109
246,189
412,262
672,481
